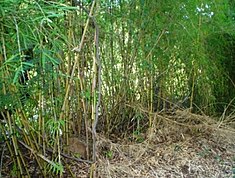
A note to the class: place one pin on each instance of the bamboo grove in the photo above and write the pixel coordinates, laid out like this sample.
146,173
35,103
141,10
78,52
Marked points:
77,68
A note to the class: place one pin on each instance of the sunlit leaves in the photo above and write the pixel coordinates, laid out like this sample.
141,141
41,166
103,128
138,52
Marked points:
55,127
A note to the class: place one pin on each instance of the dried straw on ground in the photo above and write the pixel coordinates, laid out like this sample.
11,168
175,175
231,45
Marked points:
197,149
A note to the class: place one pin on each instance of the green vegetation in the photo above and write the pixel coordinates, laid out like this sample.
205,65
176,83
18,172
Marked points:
70,68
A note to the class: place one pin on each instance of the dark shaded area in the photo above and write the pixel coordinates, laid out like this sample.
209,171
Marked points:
221,52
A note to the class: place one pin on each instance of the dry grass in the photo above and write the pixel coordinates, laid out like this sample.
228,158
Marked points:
196,149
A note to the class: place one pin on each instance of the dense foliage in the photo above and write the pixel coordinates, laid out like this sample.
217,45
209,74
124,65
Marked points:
63,70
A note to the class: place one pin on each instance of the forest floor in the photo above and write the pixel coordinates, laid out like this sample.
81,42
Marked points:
179,145
203,148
